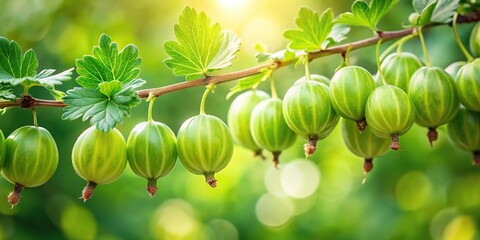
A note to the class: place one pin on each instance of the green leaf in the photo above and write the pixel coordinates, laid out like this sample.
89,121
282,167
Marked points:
250,82
43,78
110,88
339,33
103,111
435,11
314,30
200,47
426,15
15,64
108,64
366,15
6,93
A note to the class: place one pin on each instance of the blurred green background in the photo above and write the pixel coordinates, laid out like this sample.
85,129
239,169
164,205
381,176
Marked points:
416,193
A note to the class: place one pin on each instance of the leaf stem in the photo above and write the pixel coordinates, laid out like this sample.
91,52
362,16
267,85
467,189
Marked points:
307,68
208,89
272,88
459,41
424,46
35,122
151,99
379,63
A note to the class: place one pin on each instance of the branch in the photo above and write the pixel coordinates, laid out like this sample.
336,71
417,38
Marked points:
385,36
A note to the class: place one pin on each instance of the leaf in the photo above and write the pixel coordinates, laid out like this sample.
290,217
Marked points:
108,64
103,111
6,93
313,31
441,12
43,78
200,47
13,63
250,82
339,33
366,15
110,88
426,15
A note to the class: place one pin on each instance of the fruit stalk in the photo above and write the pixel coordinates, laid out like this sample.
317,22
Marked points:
88,191
476,158
210,179
395,142
457,38
152,187
432,135
311,146
14,196
367,167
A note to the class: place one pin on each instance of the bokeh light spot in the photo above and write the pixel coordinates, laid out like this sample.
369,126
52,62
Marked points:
174,217
272,182
300,178
78,223
413,191
461,228
274,211
223,230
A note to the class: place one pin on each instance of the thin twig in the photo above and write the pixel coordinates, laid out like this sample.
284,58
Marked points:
385,36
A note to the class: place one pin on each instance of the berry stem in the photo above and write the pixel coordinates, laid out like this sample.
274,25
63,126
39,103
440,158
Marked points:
424,46
476,158
311,145
307,68
210,179
151,99
379,62
403,40
88,191
367,167
362,124
432,135
152,187
35,122
210,88
259,153
395,142
14,196
276,158
459,41
272,88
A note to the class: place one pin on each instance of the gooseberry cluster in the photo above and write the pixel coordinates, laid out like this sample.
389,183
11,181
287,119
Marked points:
375,110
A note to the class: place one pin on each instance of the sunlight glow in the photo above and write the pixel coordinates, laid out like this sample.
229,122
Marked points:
233,4
300,178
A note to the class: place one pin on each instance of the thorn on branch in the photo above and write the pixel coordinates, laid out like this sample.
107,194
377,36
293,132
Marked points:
27,101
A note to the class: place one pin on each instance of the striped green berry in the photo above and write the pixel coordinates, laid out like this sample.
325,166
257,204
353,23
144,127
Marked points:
2,149
464,131
239,119
434,95
349,91
363,144
309,113
151,152
99,157
31,159
318,78
398,68
475,40
467,83
269,128
390,113
453,68
204,146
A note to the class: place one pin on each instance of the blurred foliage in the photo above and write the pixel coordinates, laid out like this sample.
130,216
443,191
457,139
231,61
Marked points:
416,193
